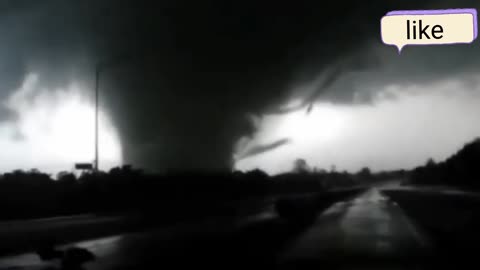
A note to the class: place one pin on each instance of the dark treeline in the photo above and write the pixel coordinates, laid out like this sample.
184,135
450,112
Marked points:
33,194
460,170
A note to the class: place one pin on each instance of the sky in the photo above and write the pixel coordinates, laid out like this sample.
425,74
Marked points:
54,130
228,85
399,130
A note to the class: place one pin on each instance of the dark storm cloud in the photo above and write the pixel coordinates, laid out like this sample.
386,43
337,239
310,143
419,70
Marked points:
415,65
187,73
260,149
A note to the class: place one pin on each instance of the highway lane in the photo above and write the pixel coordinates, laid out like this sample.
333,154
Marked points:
365,229
23,235
120,251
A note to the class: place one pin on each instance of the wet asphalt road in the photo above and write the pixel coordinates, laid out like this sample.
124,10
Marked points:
367,227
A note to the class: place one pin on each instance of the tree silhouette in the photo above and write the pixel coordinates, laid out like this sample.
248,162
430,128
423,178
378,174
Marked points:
365,174
430,163
300,165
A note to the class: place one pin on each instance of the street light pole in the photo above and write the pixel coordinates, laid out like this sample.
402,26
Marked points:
97,82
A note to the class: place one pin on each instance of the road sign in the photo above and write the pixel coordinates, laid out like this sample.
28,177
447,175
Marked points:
83,166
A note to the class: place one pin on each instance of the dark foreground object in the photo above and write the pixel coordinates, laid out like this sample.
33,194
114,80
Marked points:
450,219
71,258
216,242
361,230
